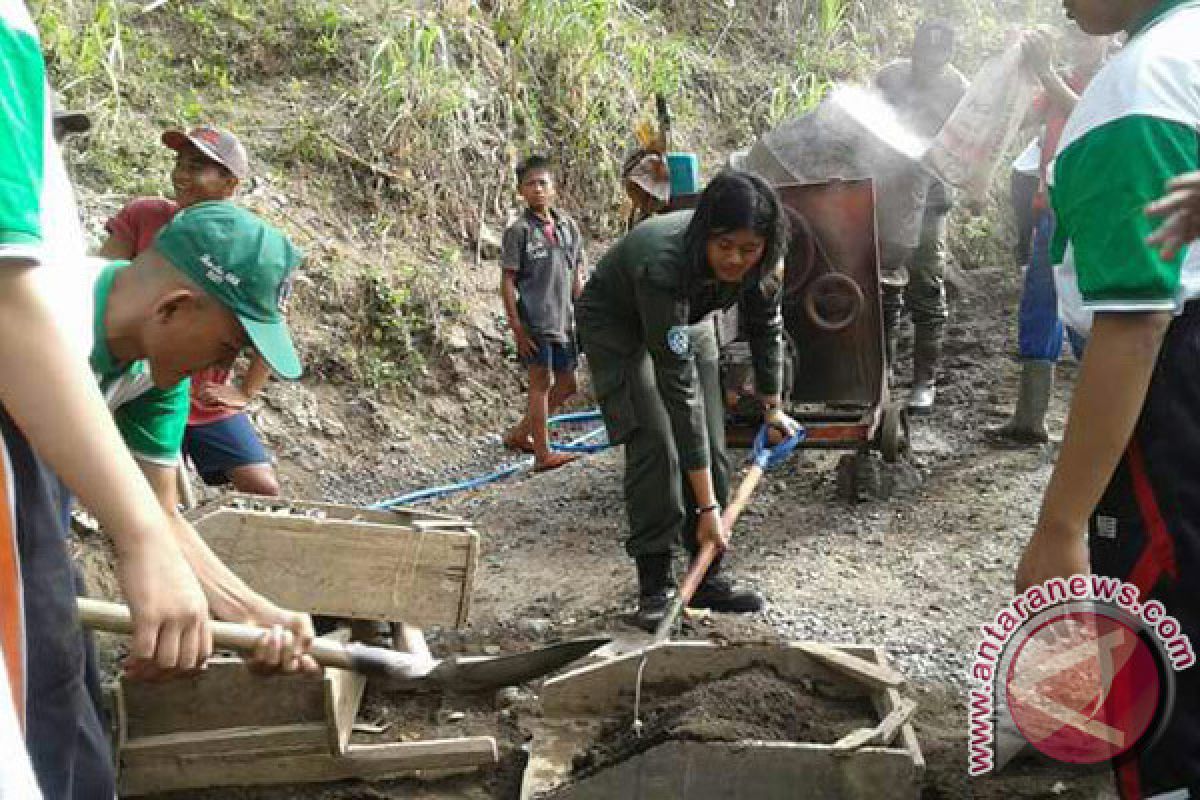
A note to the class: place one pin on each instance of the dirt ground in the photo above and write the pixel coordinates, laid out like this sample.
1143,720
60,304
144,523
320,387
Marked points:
916,574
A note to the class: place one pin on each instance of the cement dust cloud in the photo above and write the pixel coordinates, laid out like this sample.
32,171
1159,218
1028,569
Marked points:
875,116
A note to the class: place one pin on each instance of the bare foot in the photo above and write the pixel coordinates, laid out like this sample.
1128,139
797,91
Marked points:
552,461
522,443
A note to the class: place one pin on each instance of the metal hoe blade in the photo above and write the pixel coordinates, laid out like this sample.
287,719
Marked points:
479,673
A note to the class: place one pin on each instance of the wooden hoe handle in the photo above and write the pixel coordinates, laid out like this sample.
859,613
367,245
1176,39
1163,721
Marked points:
115,618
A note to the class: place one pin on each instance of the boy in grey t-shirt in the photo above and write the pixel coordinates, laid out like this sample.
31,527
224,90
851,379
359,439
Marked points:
543,267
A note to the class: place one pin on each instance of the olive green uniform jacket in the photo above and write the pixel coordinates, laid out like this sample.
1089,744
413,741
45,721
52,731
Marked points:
645,324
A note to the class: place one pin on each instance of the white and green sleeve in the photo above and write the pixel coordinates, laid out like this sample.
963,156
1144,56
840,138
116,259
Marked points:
23,120
1136,127
39,222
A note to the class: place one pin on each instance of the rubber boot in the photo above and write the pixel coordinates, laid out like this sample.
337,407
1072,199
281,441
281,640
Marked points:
892,308
718,593
927,352
656,585
1028,422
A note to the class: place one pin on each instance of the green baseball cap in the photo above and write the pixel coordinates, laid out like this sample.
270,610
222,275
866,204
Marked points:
246,265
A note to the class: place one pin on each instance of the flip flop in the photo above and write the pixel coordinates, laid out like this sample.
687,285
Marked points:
556,460
520,445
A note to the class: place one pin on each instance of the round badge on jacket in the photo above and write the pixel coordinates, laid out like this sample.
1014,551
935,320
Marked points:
678,341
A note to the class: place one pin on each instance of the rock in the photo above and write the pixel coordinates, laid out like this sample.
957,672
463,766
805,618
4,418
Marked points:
509,697
332,427
534,626
491,650
448,717
866,476
455,339
488,241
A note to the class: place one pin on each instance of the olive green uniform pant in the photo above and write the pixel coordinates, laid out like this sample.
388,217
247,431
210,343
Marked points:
924,295
658,497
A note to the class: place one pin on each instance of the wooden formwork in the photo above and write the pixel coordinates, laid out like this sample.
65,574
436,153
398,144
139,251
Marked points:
348,562
577,704
229,727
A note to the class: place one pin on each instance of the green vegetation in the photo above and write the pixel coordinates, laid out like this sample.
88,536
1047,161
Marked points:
413,115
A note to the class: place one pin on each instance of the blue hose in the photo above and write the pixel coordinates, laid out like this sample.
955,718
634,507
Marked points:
451,488
575,416
581,444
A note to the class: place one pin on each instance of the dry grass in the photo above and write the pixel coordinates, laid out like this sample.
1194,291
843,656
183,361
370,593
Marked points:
385,133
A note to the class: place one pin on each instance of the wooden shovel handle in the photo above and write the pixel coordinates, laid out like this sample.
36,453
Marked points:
704,558
115,618
741,497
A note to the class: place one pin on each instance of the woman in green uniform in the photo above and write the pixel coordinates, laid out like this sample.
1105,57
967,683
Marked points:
645,322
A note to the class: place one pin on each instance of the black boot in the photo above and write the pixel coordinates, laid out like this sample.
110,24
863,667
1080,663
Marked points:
892,307
718,593
656,585
927,352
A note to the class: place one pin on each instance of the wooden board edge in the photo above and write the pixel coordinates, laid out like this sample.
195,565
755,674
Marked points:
739,750
908,735
361,761
468,582
466,751
557,695
218,742
120,733
454,569
866,670
343,696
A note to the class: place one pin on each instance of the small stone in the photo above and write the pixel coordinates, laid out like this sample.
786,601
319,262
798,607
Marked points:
447,717
456,340
508,697
491,650
534,626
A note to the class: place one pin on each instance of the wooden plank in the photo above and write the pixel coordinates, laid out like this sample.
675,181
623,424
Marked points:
752,771
552,751
120,716
306,737
607,687
259,769
340,568
403,516
225,695
874,675
440,524
908,736
882,734
468,751
343,694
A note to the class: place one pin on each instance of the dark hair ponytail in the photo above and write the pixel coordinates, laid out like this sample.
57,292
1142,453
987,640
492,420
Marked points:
737,200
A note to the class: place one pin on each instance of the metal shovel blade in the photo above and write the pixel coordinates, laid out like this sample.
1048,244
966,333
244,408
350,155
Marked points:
480,673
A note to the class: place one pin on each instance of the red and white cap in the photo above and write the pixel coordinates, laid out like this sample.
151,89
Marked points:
219,145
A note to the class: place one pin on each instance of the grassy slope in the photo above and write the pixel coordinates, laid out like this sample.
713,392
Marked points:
384,133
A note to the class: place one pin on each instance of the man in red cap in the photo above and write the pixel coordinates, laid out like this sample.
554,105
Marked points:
221,440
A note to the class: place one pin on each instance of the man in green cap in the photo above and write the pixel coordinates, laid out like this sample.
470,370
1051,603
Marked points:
209,287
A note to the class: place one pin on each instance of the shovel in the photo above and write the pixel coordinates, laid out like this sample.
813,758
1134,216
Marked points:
762,458
398,670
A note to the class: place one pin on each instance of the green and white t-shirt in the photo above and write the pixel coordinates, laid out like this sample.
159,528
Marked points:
1136,126
39,224
151,420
